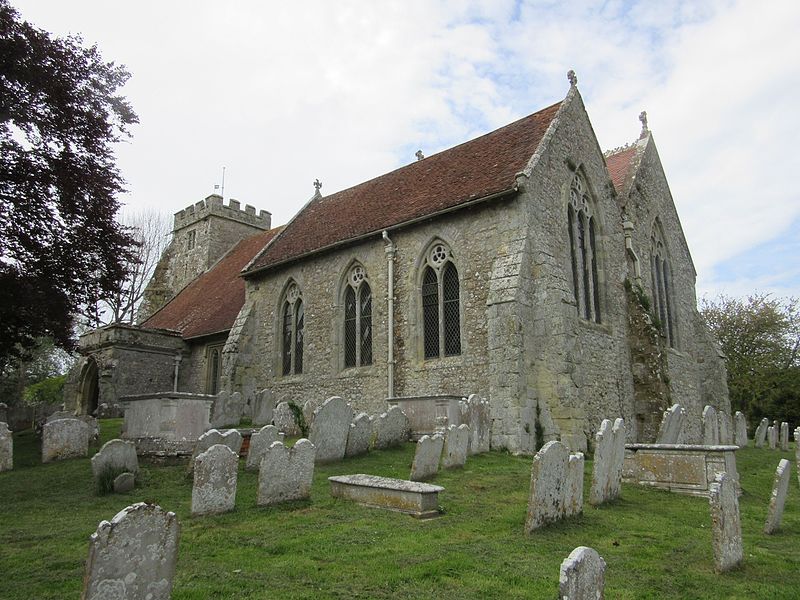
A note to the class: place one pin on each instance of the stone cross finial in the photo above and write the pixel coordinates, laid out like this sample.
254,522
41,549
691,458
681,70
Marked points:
419,155
317,185
643,119
573,79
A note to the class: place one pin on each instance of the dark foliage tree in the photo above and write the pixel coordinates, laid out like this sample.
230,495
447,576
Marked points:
60,246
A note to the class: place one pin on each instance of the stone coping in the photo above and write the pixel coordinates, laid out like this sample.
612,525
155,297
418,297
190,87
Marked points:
420,500
429,397
678,447
167,396
387,483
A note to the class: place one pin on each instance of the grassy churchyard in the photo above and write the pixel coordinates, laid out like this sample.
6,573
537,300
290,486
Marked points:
656,544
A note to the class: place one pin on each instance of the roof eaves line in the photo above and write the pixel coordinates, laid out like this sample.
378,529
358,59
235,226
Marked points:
548,135
513,189
202,335
279,234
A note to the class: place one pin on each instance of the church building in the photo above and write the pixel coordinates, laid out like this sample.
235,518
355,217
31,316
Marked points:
525,266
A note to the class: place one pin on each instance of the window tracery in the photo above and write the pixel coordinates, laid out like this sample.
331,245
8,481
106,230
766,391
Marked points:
582,226
441,304
661,281
293,324
357,319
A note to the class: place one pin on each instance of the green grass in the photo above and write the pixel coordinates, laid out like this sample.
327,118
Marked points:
656,544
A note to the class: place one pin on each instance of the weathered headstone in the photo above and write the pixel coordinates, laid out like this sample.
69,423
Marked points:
456,445
797,452
6,448
215,476
710,426
133,557
3,412
583,575
259,442
427,457
230,438
671,425
116,456
776,432
778,499
740,429
124,483
64,438
761,433
725,428
360,435
263,407
308,410
615,480
726,527
548,478
573,490
475,413
772,437
391,428
284,419
784,439
609,454
330,428
286,474
227,410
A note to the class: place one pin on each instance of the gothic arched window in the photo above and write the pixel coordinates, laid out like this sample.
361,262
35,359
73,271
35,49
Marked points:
357,319
293,321
441,304
582,228
661,280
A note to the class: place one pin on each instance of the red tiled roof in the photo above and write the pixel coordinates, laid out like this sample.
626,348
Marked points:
476,169
210,303
619,165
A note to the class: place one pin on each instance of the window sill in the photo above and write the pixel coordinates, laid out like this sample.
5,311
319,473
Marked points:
597,327
357,372
441,363
288,379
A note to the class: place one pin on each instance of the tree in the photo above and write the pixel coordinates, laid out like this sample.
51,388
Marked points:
760,337
60,245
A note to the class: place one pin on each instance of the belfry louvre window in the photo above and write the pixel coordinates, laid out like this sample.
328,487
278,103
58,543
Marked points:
441,304
583,251
292,332
357,319
661,280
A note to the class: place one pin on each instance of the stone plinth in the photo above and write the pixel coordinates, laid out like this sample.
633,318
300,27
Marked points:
167,423
419,500
686,469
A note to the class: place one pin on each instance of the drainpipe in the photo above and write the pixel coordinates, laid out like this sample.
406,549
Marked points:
390,251
177,360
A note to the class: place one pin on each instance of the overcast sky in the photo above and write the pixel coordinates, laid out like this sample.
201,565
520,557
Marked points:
281,93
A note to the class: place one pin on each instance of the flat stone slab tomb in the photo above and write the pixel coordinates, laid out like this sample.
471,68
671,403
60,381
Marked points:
681,468
420,500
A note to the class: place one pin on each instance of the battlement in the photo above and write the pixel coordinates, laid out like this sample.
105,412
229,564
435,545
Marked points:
213,205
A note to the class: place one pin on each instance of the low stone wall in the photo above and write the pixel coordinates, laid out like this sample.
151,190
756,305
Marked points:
686,469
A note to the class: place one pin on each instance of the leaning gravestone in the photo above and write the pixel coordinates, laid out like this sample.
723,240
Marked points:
573,490
227,410
583,575
784,439
230,438
123,483
391,428
259,442
116,456
308,410
456,445
330,428
761,433
726,527
133,557
360,435
725,428
609,455
671,425
710,426
284,419
64,438
263,407
475,413
740,429
778,499
215,473
427,457
548,478
286,474
6,448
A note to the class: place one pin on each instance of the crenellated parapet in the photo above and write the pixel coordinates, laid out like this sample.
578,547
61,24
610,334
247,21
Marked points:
214,205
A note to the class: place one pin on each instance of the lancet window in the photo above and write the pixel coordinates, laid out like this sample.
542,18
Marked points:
441,304
293,322
357,319
661,281
582,227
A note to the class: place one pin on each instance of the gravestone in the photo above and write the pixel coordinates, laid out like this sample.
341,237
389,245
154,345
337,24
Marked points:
582,576
360,435
227,410
263,407
391,428
772,436
573,490
64,438
123,483
776,432
286,473
609,455
3,412
230,438
283,418
475,413
784,439
671,425
456,445
710,426
778,499
117,456
329,429
740,429
259,442
215,474
797,452
725,428
761,433
6,448
548,479
427,457
726,527
133,557
308,411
